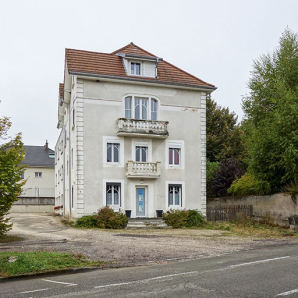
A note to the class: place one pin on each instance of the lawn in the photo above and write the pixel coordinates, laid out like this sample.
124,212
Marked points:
16,263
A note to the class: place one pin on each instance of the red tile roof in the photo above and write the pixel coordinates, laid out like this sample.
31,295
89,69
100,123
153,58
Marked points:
110,65
61,90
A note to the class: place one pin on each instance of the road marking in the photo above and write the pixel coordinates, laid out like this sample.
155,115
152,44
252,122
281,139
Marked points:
288,293
144,280
257,262
60,282
34,291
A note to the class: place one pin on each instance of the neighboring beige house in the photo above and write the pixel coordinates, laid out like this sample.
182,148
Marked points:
133,134
39,191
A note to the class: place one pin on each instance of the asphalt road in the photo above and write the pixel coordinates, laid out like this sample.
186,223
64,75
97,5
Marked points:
266,272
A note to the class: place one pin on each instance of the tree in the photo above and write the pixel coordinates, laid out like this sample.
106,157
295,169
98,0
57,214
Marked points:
11,155
224,135
271,109
228,170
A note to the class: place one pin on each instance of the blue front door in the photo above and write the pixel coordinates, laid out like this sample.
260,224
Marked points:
140,198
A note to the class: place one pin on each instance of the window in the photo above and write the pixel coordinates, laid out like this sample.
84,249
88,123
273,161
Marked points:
153,109
73,117
141,153
71,158
140,108
175,195
135,68
72,197
113,191
38,174
113,152
174,156
128,107
22,175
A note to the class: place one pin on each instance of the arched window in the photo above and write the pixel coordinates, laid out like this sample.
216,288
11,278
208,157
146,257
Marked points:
141,108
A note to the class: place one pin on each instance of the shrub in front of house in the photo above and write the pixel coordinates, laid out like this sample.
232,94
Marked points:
106,218
87,221
184,218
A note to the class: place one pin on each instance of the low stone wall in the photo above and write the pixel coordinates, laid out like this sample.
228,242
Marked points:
34,205
276,208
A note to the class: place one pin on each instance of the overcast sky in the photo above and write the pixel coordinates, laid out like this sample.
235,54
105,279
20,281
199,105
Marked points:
215,40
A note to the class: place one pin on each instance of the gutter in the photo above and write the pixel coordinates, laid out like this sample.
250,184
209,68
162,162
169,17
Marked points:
141,80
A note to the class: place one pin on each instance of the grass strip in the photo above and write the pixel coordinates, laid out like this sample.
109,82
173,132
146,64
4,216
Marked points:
23,263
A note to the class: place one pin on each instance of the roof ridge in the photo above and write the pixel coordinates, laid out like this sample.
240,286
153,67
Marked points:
187,73
132,44
66,49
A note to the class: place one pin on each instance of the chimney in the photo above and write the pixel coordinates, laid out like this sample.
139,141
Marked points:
46,145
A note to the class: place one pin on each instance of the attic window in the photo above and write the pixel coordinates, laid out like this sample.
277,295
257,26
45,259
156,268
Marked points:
52,155
135,68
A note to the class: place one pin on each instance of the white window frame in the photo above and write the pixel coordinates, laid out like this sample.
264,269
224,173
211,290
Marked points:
135,63
121,201
147,143
182,198
175,144
38,175
149,106
113,140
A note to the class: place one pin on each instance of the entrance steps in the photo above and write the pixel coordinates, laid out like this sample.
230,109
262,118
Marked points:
146,223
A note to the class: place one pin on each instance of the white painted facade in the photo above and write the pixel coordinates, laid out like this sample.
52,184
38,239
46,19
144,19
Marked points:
89,124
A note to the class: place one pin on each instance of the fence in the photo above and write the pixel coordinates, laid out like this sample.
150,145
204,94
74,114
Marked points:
231,212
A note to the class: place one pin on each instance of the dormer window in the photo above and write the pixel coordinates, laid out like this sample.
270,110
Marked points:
138,65
135,68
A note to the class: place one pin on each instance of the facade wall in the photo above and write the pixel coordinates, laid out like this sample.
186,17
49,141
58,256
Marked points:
43,186
103,105
86,131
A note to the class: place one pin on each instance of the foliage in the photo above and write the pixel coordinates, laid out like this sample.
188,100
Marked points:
211,169
271,109
106,218
87,221
249,185
184,218
229,170
224,135
11,155
247,227
37,262
292,188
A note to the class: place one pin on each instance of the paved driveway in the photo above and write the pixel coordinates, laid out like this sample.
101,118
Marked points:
127,247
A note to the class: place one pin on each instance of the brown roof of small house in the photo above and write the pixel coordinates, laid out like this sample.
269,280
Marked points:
110,65
61,90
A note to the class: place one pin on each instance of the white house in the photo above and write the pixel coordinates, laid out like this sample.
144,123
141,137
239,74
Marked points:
133,134
38,194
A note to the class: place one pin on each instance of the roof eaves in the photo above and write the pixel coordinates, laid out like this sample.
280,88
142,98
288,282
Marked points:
142,80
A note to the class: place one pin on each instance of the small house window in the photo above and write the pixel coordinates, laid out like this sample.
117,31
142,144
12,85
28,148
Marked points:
38,174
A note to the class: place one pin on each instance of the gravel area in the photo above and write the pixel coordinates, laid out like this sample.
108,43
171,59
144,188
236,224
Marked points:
126,247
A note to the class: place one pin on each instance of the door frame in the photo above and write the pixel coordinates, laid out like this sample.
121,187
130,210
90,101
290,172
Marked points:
145,187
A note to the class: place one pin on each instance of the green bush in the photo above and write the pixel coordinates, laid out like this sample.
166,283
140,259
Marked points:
87,221
249,185
184,218
106,218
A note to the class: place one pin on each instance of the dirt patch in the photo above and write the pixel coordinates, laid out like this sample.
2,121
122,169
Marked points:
126,247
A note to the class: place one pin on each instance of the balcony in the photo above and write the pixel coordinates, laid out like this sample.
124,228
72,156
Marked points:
138,169
142,128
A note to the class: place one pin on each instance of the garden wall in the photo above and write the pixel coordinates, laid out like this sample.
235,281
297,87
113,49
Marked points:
276,208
